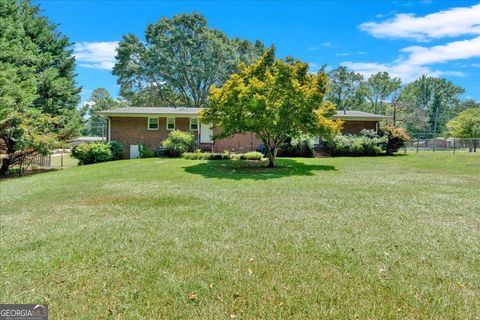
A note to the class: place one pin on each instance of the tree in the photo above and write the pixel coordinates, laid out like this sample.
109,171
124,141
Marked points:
179,60
438,98
346,89
100,100
378,88
275,99
38,96
466,125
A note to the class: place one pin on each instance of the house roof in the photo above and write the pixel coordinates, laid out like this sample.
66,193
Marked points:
162,111
138,111
358,115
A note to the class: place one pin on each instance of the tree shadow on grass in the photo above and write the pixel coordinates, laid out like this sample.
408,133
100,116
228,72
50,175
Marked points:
255,170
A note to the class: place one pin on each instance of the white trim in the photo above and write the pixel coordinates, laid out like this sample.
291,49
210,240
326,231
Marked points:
148,124
109,124
190,125
174,123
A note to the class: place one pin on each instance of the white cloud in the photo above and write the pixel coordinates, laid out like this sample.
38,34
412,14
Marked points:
475,65
343,54
448,23
413,61
96,55
324,44
457,50
404,71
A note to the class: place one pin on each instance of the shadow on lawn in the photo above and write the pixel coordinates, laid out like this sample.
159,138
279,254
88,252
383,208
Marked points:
255,170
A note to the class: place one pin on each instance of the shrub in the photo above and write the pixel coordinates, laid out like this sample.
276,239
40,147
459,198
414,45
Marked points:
146,152
251,156
197,155
178,142
117,150
349,145
396,138
88,153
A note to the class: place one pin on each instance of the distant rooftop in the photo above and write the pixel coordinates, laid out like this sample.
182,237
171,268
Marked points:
141,111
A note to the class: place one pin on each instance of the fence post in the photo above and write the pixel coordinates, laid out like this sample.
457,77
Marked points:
454,146
418,142
61,159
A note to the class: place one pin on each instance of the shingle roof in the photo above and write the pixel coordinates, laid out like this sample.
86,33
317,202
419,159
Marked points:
351,114
151,111
139,111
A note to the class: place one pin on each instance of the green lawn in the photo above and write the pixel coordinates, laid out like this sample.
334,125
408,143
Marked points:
377,238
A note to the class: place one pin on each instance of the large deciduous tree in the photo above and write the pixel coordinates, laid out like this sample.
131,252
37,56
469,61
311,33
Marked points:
379,88
437,98
38,95
276,100
179,60
346,89
100,100
466,125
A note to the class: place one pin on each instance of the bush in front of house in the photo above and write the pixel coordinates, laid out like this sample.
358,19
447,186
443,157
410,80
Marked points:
396,138
117,150
88,153
178,142
367,144
254,155
198,155
147,152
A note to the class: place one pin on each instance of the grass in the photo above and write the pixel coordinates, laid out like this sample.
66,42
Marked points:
336,238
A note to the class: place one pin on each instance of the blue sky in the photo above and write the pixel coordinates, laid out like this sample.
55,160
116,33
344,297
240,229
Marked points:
406,38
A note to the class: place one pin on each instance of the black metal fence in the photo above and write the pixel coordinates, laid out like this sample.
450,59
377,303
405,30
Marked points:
443,144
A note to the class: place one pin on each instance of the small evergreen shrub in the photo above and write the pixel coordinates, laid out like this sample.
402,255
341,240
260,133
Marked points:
146,152
178,142
117,150
88,153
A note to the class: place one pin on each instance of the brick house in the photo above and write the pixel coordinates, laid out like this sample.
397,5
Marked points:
132,126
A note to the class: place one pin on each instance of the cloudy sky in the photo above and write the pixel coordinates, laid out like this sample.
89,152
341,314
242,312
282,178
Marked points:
406,38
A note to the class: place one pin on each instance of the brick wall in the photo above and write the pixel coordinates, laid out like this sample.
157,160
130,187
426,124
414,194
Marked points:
354,127
240,143
133,130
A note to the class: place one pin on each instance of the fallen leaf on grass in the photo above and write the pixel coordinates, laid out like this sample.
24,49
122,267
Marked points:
193,296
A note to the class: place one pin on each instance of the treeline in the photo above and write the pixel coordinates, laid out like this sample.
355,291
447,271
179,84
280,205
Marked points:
423,106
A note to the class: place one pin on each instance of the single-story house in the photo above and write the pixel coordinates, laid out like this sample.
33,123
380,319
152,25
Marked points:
132,126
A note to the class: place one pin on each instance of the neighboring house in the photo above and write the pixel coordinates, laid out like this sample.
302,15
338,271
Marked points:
132,126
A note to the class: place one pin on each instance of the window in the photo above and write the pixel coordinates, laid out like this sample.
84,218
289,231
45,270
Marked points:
193,124
170,123
152,123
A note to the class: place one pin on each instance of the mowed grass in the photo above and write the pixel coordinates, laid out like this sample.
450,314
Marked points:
333,238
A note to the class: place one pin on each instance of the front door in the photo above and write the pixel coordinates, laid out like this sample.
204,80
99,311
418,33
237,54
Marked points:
134,151
206,133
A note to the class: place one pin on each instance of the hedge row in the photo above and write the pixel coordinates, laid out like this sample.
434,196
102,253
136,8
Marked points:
197,155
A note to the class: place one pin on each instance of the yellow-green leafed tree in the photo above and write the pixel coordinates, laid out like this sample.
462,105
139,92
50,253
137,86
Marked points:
275,99
466,125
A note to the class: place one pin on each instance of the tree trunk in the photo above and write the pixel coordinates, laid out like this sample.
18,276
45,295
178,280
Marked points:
272,156
4,167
